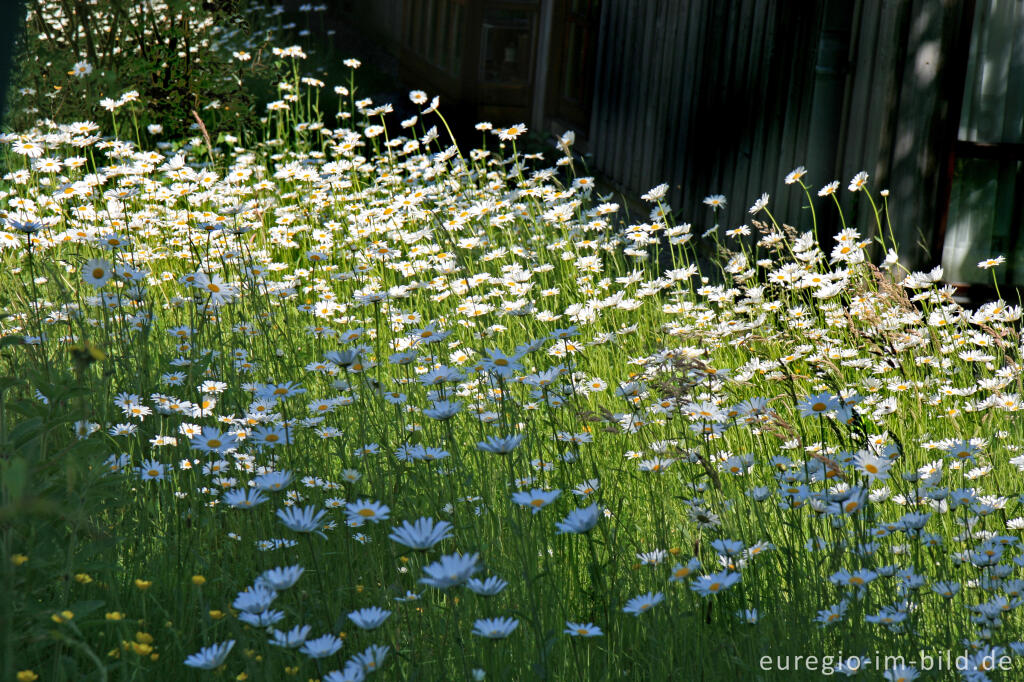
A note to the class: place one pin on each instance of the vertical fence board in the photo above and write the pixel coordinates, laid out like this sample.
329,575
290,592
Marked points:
669,120
716,97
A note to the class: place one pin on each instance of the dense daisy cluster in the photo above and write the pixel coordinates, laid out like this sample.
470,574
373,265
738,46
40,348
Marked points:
400,398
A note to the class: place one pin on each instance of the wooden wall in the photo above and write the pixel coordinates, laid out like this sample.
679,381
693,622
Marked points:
925,63
711,97
728,97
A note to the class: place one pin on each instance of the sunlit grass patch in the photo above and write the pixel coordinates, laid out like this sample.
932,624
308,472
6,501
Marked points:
355,401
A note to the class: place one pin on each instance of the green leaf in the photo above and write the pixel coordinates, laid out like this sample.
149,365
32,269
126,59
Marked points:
13,340
84,608
24,432
8,382
15,476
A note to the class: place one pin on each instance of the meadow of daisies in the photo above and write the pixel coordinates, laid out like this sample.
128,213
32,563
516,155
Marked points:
348,401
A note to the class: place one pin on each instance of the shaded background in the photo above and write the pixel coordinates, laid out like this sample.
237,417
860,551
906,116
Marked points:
11,24
927,96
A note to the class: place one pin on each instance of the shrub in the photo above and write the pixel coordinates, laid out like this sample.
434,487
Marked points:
167,59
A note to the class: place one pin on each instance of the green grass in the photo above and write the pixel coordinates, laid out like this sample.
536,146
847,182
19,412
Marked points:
667,397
